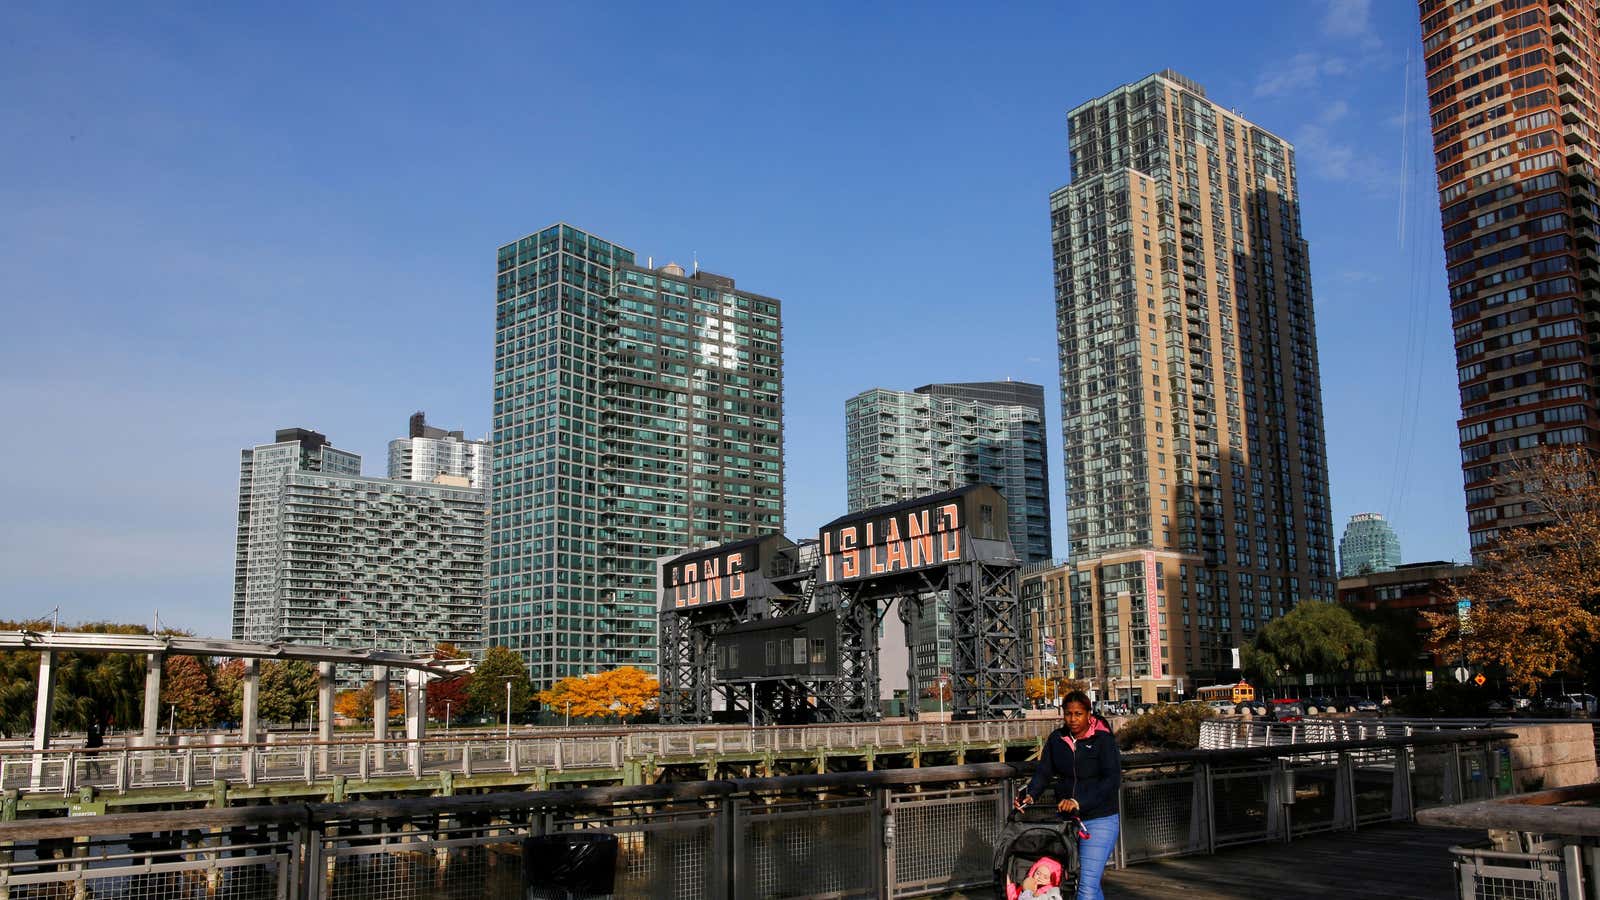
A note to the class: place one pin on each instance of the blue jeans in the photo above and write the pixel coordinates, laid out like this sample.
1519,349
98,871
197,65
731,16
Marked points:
1093,854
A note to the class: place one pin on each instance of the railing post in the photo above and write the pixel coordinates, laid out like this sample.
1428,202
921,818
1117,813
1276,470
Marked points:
188,769
1344,797
1402,806
883,874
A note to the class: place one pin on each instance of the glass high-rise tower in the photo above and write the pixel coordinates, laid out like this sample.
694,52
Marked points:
637,414
427,452
1368,545
1196,467
1514,92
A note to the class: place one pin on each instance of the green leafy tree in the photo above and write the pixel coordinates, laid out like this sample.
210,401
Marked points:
1315,637
288,688
188,689
486,692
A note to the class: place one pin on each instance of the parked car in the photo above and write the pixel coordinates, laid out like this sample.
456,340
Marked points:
1583,704
1362,705
1288,710
1320,705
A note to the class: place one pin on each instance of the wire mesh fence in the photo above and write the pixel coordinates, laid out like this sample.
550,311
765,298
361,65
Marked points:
897,833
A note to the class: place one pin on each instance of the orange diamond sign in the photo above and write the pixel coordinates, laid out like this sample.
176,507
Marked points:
1479,680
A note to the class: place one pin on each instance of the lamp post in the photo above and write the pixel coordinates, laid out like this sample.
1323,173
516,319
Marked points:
172,719
508,706
310,717
447,715
569,713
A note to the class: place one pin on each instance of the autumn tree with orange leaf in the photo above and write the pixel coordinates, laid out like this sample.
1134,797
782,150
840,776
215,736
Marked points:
1535,595
624,692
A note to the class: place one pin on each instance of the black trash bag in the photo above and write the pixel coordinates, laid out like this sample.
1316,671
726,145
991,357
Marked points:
578,862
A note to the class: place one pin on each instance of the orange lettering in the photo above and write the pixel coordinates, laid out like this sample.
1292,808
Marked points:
736,587
950,546
922,550
895,558
894,532
917,523
949,517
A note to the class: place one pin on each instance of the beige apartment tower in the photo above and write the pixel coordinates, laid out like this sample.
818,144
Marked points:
1195,460
1512,92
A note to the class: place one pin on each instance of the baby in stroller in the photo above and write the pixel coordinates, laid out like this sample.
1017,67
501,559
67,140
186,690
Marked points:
1036,855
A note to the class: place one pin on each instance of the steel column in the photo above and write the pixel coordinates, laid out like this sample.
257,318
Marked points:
324,711
44,704
250,702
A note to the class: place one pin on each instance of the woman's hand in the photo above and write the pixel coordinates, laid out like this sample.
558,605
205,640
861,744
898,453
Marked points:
1022,800
1067,806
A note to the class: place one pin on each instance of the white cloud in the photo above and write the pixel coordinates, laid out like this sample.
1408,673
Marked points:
1348,19
1301,72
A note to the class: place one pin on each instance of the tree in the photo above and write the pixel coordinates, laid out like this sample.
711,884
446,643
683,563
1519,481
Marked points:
229,679
448,697
1042,689
486,693
1315,637
941,687
624,692
1535,595
357,704
188,689
288,689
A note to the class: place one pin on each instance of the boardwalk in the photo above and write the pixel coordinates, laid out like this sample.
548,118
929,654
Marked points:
1394,862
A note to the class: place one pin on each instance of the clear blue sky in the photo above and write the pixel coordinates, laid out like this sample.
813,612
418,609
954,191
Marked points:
217,223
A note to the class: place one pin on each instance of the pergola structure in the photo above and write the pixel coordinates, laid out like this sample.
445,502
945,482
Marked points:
157,647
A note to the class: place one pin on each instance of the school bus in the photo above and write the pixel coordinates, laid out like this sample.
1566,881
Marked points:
1232,693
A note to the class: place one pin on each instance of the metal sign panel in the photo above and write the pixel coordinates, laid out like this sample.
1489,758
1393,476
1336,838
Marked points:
893,540
703,578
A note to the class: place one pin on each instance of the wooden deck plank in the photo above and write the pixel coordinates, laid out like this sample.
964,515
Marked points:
1394,862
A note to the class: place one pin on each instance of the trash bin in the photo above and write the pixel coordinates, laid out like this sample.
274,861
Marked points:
571,864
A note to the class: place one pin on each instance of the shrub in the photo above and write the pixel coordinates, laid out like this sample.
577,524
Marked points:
1171,726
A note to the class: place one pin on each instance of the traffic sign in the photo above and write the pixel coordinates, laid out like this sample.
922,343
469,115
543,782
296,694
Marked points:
1460,672
1479,680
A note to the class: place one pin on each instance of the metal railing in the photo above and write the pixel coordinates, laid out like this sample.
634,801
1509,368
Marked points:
128,768
1216,734
887,834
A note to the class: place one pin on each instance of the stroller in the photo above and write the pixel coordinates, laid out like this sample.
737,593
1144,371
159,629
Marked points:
1033,833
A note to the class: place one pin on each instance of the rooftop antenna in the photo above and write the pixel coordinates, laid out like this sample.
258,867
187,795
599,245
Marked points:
696,256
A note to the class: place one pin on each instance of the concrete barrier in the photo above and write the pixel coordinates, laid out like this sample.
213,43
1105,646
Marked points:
1552,756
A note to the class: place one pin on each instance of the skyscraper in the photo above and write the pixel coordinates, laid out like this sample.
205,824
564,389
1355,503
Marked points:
1512,90
262,471
1197,489
1368,545
329,557
428,452
903,444
900,445
637,414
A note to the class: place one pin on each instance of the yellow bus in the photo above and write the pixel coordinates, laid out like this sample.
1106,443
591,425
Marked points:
1232,693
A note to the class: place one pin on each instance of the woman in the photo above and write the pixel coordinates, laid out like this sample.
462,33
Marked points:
1081,762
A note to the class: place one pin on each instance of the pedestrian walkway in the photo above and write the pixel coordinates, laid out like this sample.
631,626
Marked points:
1393,862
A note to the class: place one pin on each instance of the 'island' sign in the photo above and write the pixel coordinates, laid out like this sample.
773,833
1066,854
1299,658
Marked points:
899,541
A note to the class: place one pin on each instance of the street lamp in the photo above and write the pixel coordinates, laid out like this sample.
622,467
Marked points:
447,716
508,706
569,713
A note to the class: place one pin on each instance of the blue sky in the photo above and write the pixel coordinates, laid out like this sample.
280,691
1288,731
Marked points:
216,223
